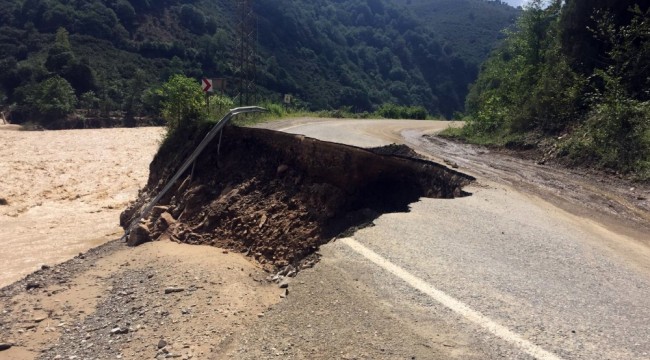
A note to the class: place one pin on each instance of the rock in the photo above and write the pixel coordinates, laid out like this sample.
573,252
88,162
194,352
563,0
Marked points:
32,285
162,343
119,331
45,267
139,235
282,169
286,270
5,346
308,264
39,319
171,290
641,198
164,222
284,284
158,210
260,315
284,294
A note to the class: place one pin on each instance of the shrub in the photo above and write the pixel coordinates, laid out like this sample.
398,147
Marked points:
182,102
53,99
392,111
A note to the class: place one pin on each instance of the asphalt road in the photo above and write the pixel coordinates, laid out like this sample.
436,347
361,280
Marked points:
499,274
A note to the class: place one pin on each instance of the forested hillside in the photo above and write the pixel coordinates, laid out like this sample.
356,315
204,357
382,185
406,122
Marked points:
573,78
468,28
107,57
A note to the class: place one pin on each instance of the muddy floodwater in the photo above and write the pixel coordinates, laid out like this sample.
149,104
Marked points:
61,192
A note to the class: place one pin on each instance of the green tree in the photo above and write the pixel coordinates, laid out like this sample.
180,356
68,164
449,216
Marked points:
594,91
578,43
528,62
133,102
53,99
193,19
89,102
182,101
60,55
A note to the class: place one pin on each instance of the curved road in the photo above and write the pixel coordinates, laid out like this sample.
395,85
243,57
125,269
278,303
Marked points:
499,274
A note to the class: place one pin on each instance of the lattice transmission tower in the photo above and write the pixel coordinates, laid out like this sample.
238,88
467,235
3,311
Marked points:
246,52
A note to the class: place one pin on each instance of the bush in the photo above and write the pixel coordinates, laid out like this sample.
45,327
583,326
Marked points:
392,111
616,135
182,101
219,106
52,99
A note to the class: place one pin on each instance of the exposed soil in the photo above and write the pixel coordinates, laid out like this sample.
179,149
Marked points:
161,300
274,196
277,196
112,303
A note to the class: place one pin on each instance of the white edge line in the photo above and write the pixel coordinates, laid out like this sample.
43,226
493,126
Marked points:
451,303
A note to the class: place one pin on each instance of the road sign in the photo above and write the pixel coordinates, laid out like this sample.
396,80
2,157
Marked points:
220,84
207,85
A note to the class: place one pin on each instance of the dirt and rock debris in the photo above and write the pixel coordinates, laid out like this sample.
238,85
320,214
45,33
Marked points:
160,300
277,196
273,196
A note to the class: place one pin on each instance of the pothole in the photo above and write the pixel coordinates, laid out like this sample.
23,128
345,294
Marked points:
278,197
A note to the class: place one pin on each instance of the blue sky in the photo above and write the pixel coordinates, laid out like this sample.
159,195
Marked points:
515,3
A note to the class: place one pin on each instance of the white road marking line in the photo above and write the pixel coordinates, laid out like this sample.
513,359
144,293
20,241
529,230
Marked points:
451,303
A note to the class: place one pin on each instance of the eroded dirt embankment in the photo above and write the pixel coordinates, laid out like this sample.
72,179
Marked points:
277,196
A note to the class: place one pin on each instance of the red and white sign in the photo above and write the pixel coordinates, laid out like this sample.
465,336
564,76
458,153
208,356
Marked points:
207,85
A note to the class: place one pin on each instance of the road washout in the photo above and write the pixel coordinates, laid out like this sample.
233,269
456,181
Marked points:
277,197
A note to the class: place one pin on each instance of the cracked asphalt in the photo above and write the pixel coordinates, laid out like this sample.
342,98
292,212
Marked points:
561,279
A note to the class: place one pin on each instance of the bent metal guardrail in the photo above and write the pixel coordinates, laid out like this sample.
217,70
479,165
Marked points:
191,159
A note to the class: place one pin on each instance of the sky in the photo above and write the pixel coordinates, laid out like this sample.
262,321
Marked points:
515,3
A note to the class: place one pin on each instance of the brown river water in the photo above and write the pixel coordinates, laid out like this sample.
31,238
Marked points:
63,191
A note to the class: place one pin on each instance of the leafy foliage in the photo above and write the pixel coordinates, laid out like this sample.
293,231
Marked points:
182,101
355,54
536,82
392,111
52,99
468,28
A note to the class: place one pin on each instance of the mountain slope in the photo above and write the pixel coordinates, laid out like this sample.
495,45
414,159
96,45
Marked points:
328,54
469,28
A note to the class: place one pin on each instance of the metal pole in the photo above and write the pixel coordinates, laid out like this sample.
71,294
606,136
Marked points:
219,146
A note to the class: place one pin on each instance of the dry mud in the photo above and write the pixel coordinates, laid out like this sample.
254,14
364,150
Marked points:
278,196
